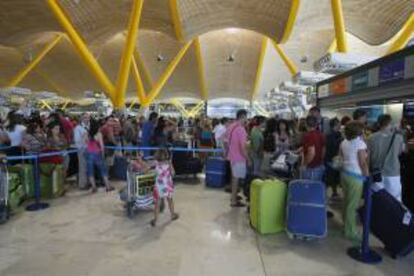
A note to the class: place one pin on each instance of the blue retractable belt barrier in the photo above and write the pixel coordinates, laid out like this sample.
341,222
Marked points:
364,253
166,147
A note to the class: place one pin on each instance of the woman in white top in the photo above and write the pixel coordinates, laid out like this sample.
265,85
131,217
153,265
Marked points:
15,129
355,168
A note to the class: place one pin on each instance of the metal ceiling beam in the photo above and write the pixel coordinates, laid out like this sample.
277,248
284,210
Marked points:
129,48
166,75
403,37
138,81
291,21
259,68
288,62
26,70
196,109
201,72
82,49
339,23
175,15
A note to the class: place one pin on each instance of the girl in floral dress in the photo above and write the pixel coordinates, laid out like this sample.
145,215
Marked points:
164,185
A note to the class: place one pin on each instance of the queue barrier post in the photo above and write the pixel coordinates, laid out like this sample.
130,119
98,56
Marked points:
37,205
364,253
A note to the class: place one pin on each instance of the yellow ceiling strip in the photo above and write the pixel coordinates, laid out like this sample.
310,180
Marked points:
128,53
26,70
175,15
201,73
291,21
403,36
259,68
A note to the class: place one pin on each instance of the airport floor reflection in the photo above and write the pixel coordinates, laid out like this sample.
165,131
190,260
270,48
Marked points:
83,234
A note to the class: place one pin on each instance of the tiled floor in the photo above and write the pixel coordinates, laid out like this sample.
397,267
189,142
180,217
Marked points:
84,234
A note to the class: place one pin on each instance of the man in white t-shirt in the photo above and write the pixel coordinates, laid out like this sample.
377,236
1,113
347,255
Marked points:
219,132
80,137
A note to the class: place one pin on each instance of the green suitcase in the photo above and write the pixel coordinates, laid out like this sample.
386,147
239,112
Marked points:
51,180
26,176
17,193
268,206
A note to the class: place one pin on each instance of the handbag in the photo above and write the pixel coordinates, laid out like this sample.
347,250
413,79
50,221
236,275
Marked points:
376,173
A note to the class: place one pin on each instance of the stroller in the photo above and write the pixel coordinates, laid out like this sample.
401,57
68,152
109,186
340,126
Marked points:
285,165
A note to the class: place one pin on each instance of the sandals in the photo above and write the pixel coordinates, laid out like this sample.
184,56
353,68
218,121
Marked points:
153,222
110,189
238,204
175,216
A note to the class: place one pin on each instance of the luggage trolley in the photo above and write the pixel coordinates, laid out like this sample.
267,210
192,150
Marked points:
285,165
139,191
4,191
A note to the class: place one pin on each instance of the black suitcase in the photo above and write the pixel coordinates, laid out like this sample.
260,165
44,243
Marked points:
407,176
183,161
392,223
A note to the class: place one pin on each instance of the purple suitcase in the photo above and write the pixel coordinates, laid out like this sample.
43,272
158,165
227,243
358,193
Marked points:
306,211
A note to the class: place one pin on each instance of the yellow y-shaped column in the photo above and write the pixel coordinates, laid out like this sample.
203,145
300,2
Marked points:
405,34
23,73
82,49
124,69
166,75
339,25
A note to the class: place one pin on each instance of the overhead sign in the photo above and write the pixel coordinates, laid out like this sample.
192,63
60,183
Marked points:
360,80
339,87
323,91
392,71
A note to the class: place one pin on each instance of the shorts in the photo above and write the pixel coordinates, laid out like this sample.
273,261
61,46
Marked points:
95,160
239,170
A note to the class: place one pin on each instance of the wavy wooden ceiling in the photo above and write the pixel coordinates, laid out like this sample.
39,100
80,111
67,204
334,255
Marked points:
26,25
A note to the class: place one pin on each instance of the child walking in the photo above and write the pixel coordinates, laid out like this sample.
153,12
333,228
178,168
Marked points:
164,186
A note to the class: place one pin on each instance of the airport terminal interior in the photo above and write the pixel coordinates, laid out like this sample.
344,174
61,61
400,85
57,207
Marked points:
206,137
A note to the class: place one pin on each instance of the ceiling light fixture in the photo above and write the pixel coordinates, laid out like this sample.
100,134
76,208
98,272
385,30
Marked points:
230,58
160,58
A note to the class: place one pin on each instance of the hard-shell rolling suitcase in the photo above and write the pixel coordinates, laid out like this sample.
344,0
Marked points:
268,206
4,193
216,172
392,223
51,180
306,210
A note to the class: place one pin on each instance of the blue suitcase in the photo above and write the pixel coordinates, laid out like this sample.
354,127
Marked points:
306,211
216,172
392,223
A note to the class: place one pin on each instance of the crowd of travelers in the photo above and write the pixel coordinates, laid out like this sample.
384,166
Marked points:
340,151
